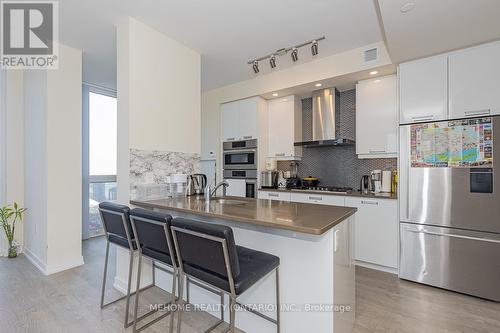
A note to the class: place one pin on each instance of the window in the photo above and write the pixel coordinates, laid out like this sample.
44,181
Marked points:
100,155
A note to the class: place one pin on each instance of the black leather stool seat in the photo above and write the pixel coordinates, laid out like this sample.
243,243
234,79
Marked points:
254,265
121,241
157,255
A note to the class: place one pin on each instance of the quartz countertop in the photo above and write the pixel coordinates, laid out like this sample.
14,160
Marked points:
299,217
348,194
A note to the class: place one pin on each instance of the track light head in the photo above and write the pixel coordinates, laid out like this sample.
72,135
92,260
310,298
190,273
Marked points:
314,48
295,54
272,61
255,66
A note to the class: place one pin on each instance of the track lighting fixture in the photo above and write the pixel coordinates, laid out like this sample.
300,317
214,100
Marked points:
272,61
314,48
294,53
255,66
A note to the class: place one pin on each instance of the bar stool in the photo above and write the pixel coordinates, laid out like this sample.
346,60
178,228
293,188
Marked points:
207,253
118,230
152,233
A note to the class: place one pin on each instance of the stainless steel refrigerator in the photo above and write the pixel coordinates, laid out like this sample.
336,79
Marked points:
450,221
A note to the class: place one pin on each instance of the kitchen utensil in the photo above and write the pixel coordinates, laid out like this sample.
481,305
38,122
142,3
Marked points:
386,181
394,185
365,186
269,179
178,184
282,181
376,176
310,181
293,182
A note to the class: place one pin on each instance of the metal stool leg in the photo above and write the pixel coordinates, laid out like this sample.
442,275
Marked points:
129,285
173,301
180,309
105,274
278,303
232,313
137,292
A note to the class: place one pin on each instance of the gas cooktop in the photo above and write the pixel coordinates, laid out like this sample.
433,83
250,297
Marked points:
335,189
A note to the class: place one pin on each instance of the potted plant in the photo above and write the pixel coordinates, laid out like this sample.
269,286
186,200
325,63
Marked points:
8,218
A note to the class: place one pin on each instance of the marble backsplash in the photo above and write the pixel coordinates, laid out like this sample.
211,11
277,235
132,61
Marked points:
149,170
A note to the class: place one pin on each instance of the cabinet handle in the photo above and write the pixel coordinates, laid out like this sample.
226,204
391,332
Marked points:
478,112
247,137
230,139
423,118
377,151
336,240
316,198
369,202
275,195
279,154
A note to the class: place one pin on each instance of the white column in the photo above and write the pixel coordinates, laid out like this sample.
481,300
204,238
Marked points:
3,174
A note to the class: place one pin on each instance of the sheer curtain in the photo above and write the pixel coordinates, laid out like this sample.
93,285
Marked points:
3,140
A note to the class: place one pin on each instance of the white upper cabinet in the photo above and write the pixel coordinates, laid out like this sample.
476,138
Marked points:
377,117
229,122
285,128
240,120
474,79
423,88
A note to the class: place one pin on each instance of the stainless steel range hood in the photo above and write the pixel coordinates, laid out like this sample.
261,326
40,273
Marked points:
326,122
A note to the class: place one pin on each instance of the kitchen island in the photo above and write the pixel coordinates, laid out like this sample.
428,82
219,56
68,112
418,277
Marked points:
314,243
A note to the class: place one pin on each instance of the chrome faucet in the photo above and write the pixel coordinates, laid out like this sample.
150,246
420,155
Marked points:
210,192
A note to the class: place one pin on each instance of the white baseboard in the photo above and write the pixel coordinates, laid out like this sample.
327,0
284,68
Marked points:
386,269
42,267
120,285
51,269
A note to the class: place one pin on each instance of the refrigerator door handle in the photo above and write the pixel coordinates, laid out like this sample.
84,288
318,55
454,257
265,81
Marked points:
423,231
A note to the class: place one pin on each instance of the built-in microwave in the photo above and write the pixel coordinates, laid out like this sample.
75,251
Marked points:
240,155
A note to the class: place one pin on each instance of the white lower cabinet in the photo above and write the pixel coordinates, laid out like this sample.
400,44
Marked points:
344,281
375,231
274,195
328,199
236,188
375,224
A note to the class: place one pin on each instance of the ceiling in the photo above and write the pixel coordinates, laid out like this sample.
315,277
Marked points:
437,26
226,33
342,83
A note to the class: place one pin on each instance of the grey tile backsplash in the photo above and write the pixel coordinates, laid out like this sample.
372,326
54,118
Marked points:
336,166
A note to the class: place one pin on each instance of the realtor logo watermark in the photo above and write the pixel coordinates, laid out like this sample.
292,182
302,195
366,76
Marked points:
30,35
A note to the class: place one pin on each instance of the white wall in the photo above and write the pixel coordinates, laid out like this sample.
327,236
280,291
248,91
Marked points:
64,161
159,98
53,163
324,68
14,180
159,108
35,180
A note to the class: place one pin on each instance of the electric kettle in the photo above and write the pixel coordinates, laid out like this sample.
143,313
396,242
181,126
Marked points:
365,186
196,184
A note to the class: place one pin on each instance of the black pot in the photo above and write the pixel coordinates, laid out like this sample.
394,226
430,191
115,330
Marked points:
310,182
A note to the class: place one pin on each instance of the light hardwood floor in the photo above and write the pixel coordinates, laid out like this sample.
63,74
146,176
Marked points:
69,302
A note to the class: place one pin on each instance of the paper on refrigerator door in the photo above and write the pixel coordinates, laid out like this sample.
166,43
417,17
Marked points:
464,143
